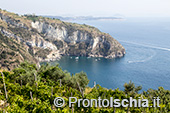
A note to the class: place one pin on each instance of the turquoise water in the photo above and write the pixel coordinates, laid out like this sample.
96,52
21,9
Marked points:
147,59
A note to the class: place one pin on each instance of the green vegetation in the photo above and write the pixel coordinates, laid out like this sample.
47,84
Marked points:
32,89
32,17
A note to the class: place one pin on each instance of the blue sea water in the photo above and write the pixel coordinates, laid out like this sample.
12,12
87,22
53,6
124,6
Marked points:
147,59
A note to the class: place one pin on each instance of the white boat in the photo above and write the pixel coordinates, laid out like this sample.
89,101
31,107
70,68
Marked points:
95,59
77,58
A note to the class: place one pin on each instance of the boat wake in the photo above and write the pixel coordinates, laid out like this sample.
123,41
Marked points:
145,45
146,57
141,61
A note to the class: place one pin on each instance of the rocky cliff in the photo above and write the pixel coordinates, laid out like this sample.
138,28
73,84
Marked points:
45,39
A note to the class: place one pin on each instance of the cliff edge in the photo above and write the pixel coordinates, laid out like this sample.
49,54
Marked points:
37,39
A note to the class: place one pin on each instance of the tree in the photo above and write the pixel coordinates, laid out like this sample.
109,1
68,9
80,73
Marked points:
130,89
82,79
25,73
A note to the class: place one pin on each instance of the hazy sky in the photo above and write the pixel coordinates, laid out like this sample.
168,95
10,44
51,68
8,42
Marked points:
128,8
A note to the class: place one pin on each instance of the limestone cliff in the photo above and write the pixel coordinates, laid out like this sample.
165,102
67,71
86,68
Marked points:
46,39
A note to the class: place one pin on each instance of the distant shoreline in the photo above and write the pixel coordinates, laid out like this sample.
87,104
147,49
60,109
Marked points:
84,18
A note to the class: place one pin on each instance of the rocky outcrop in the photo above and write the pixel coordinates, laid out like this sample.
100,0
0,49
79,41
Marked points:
48,39
80,42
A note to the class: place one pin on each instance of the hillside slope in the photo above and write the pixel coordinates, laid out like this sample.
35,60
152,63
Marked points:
43,39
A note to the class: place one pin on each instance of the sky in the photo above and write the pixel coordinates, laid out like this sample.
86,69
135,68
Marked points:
127,8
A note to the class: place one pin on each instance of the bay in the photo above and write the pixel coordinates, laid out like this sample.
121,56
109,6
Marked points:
147,59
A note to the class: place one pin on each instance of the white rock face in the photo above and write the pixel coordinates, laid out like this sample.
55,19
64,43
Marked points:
37,41
62,34
94,44
96,40
50,31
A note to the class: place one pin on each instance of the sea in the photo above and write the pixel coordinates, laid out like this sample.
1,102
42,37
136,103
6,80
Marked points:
147,59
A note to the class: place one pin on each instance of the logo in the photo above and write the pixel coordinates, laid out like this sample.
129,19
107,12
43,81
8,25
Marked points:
59,102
